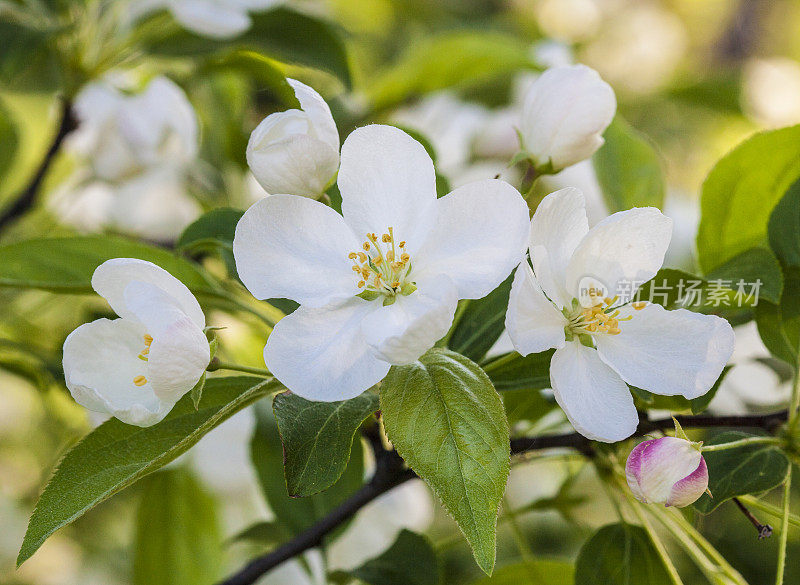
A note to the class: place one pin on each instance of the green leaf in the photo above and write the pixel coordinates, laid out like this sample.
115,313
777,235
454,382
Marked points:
411,560
296,514
749,267
511,371
448,423
451,59
742,470
67,264
317,437
263,71
620,554
544,571
116,455
213,231
740,192
784,227
283,34
481,323
28,61
268,534
177,539
628,169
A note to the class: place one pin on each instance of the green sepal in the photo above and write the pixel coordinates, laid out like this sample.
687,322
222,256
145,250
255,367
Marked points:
197,392
408,288
368,295
389,300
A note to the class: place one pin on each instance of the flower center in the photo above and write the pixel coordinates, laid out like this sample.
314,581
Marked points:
383,268
141,380
601,317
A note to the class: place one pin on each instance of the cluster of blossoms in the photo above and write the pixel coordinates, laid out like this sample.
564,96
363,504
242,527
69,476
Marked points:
140,147
378,284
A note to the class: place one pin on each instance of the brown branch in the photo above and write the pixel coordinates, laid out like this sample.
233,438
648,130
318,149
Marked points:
390,471
25,200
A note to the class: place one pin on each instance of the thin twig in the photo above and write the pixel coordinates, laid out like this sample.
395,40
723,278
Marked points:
764,530
390,472
26,200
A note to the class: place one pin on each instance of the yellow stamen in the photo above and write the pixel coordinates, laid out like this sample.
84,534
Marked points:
140,380
352,255
361,284
147,340
386,238
639,306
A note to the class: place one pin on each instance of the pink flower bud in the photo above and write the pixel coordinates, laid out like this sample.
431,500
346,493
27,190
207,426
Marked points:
668,471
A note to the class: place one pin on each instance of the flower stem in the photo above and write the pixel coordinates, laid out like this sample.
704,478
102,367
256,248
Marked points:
500,361
519,537
784,536
218,365
742,443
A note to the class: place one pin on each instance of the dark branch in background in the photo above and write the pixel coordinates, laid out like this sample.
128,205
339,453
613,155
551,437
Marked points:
26,200
740,38
390,471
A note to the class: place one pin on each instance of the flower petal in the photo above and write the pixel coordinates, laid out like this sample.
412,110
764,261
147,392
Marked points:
111,278
621,252
533,323
177,359
100,364
479,237
322,124
668,352
401,332
387,180
559,224
595,399
320,354
633,470
664,462
564,114
292,247
690,488
211,19
287,156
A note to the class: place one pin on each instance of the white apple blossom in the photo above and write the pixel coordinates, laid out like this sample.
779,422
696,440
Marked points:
377,285
602,344
154,204
565,113
122,135
669,471
138,366
296,151
217,19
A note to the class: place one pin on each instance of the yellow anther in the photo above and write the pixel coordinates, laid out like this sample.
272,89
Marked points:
404,257
402,244
396,284
366,246
614,331
386,238
352,255
390,256
607,300
365,273
378,261
361,284
147,340
362,257
357,269
639,306
146,350
140,380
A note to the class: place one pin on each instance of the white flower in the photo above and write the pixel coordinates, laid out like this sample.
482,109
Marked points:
407,255
123,135
603,343
218,19
669,471
296,152
138,366
154,204
565,113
